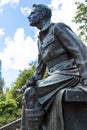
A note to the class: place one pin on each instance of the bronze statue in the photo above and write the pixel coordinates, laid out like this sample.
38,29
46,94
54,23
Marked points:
65,56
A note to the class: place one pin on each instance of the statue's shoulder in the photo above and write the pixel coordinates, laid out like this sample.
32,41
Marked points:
56,26
61,25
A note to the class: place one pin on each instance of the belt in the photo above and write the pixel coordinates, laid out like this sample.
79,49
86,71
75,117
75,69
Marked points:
57,60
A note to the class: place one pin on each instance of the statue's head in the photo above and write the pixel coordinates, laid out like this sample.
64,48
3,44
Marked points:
39,12
44,10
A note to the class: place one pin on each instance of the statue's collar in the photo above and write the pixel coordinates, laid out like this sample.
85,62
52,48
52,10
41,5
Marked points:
46,26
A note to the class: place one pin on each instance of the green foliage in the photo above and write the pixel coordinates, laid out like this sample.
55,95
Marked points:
8,94
10,102
81,19
8,111
8,106
2,97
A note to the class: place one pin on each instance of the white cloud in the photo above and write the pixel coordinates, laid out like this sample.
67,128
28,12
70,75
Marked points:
1,32
12,3
55,4
65,14
19,51
25,10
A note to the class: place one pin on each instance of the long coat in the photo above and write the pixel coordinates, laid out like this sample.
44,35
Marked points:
64,54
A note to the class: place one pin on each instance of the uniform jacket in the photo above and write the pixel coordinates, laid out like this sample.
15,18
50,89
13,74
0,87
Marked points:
60,50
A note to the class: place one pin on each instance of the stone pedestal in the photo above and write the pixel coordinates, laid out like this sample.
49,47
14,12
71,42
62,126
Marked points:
75,110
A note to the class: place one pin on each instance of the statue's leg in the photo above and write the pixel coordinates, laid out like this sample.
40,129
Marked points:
23,121
33,113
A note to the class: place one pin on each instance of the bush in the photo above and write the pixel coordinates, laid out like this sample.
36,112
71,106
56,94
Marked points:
8,111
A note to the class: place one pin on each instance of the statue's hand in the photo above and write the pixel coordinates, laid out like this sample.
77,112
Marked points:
29,83
18,91
21,90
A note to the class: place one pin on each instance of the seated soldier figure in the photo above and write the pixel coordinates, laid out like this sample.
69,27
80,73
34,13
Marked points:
65,56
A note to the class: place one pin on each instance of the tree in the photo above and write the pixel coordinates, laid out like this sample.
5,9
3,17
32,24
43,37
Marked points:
8,112
1,85
81,19
10,102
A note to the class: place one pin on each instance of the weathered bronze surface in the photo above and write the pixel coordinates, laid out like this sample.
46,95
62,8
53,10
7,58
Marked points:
64,54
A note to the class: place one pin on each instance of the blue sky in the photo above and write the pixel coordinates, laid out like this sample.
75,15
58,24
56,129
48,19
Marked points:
18,46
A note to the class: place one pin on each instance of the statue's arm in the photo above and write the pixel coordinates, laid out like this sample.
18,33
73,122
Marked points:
40,69
74,47
39,72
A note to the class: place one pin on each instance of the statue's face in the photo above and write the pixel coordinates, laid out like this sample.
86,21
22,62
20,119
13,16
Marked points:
34,17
